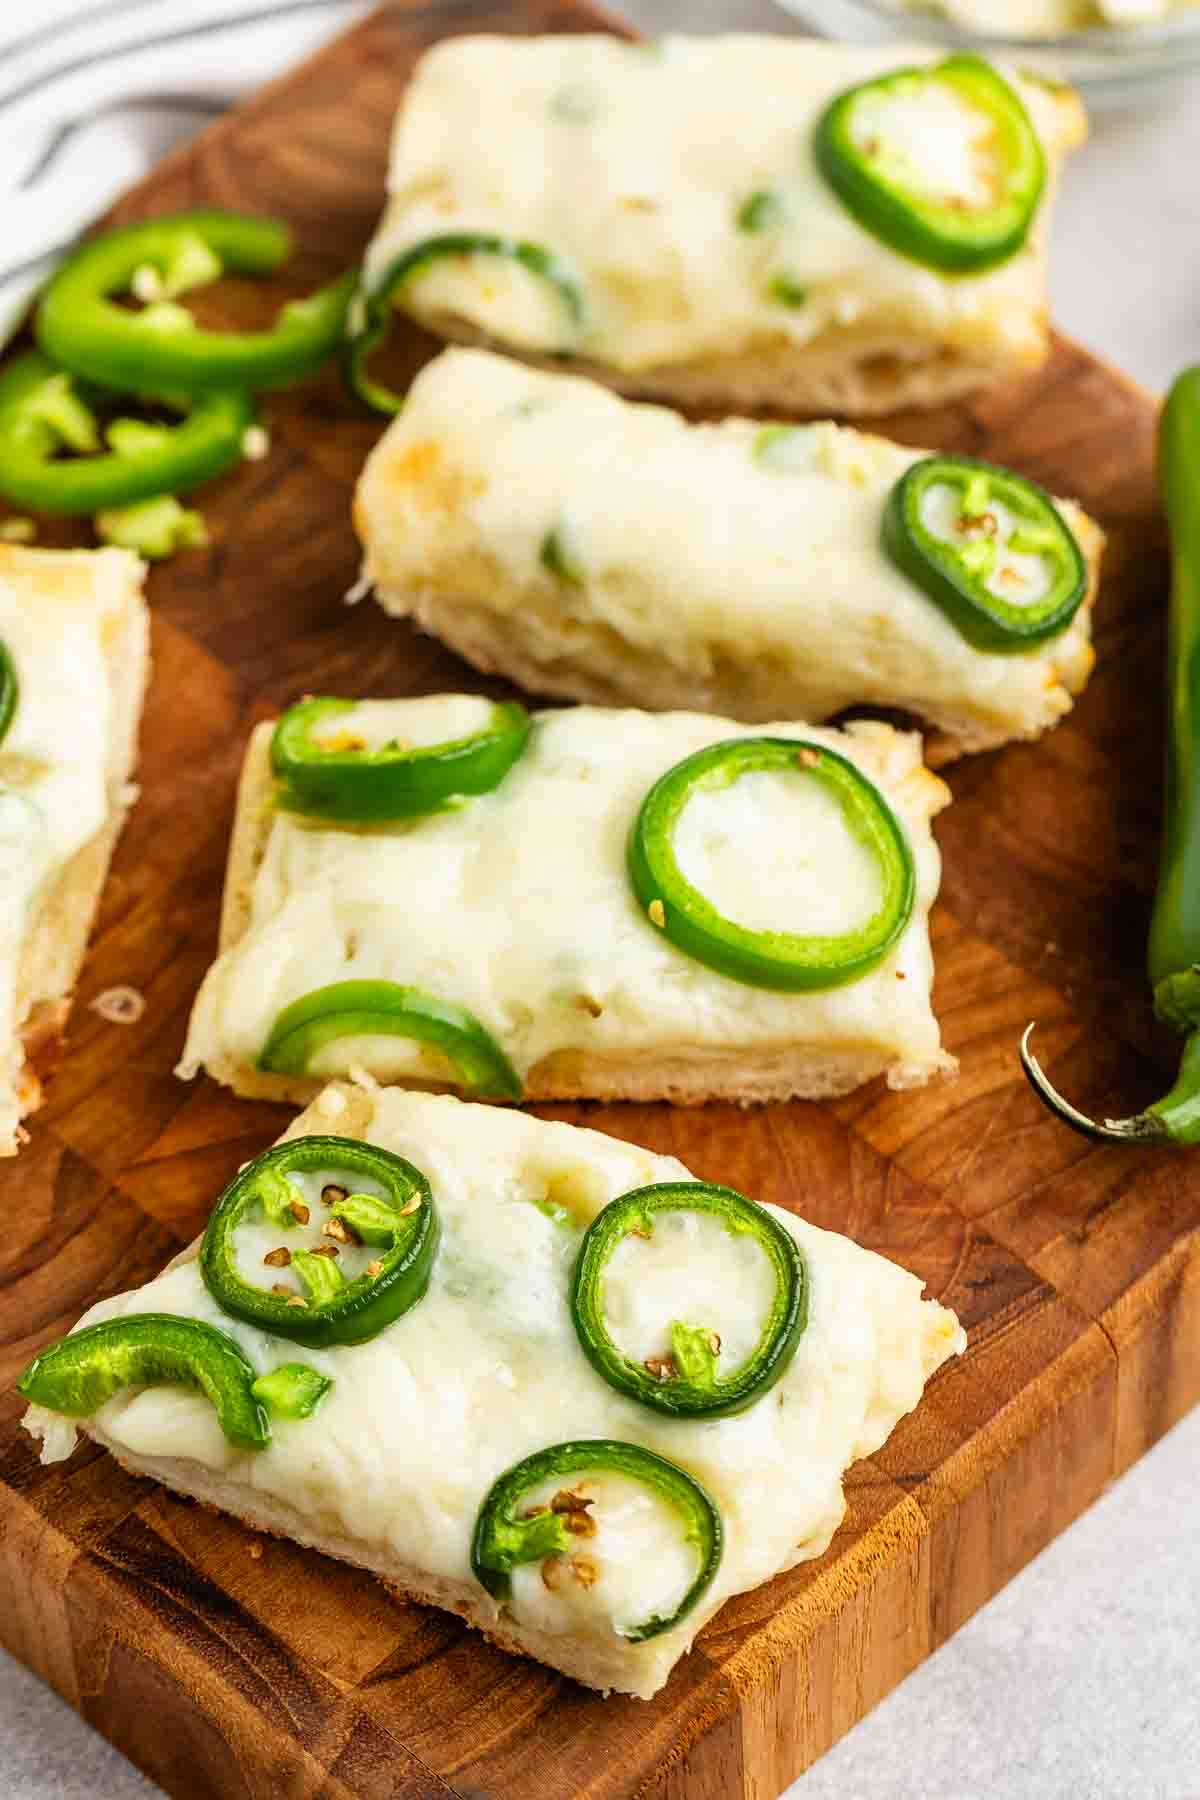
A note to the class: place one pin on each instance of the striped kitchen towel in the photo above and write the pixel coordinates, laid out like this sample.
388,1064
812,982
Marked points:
93,92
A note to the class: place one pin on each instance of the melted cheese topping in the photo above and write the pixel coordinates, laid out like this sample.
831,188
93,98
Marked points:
631,163
1043,18
256,1237
637,1561
518,906
486,1369
58,755
431,720
772,853
1021,577
694,1271
934,143
701,547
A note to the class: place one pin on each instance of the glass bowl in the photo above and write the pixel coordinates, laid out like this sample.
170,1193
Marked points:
1112,66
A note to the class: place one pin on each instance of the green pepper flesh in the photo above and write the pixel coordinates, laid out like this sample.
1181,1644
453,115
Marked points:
784,961
388,1009
361,786
154,528
695,1390
955,573
1174,946
292,1390
79,1373
503,1539
760,211
949,234
158,459
10,690
375,304
347,1312
79,324
1173,956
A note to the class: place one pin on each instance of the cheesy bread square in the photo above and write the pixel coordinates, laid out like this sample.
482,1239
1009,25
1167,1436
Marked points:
589,547
73,667
529,1373
586,903
743,222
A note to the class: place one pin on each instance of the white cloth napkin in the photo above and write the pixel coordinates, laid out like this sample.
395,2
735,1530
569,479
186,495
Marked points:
93,92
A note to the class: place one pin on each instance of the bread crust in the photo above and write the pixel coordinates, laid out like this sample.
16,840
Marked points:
682,1076
601,1659
583,1660
599,668
61,918
452,534
857,376
855,369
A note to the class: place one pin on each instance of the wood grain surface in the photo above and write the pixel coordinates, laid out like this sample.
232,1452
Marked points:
230,1667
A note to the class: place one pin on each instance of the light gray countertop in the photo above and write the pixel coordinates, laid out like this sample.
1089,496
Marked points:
1080,1680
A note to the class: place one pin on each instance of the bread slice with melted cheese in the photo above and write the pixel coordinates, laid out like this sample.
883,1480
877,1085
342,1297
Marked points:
75,626
389,1473
517,905
587,547
632,165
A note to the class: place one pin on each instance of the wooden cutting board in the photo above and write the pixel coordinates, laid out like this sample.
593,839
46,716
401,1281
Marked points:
231,1666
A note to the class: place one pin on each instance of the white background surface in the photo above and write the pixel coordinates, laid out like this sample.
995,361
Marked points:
1081,1681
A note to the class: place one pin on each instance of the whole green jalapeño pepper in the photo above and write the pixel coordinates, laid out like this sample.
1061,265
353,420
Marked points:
335,776
387,1009
42,414
687,1384
372,315
10,690
160,348
1004,587
1174,948
508,1533
79,1373
905,203
770,959
403,1226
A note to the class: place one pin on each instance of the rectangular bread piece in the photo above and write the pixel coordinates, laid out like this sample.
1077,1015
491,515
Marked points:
485,1369
517,905
724,568
75,626
641,170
